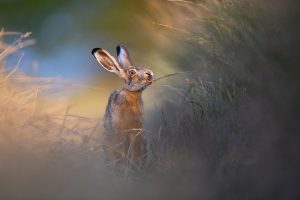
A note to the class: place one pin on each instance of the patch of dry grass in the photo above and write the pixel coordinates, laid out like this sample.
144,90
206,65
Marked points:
22,124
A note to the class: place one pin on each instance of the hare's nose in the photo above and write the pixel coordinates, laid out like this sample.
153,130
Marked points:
149,75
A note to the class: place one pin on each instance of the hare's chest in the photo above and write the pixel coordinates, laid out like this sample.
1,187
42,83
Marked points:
128,115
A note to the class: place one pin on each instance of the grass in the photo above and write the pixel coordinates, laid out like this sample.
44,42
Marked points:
229,118
23,126
20,97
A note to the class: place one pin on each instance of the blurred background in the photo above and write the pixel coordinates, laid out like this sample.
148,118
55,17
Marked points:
225,128
67,31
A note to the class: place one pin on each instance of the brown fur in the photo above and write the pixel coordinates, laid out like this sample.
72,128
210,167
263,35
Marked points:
123,136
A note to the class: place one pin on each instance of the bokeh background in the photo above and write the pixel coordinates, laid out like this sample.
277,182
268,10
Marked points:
225,128
67,31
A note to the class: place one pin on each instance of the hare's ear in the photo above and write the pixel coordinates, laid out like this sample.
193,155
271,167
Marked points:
108,61
123,56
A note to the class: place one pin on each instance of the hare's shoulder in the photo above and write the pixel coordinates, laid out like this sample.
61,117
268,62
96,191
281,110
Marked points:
114,97
111,109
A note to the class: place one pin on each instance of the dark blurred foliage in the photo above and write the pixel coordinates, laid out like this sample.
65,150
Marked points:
238,118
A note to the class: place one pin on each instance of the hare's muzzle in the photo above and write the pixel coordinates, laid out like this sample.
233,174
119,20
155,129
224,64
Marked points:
149,76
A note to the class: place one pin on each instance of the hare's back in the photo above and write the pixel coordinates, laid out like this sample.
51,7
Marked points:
109,112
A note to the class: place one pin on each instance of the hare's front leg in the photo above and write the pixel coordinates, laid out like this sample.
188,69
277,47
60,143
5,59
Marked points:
121,151
108,147
137,149
115,148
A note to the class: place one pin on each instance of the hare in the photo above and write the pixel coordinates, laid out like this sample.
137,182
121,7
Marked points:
123,124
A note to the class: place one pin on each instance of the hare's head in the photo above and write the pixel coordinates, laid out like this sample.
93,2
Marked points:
136,78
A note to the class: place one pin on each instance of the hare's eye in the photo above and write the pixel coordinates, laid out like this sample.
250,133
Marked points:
132,72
